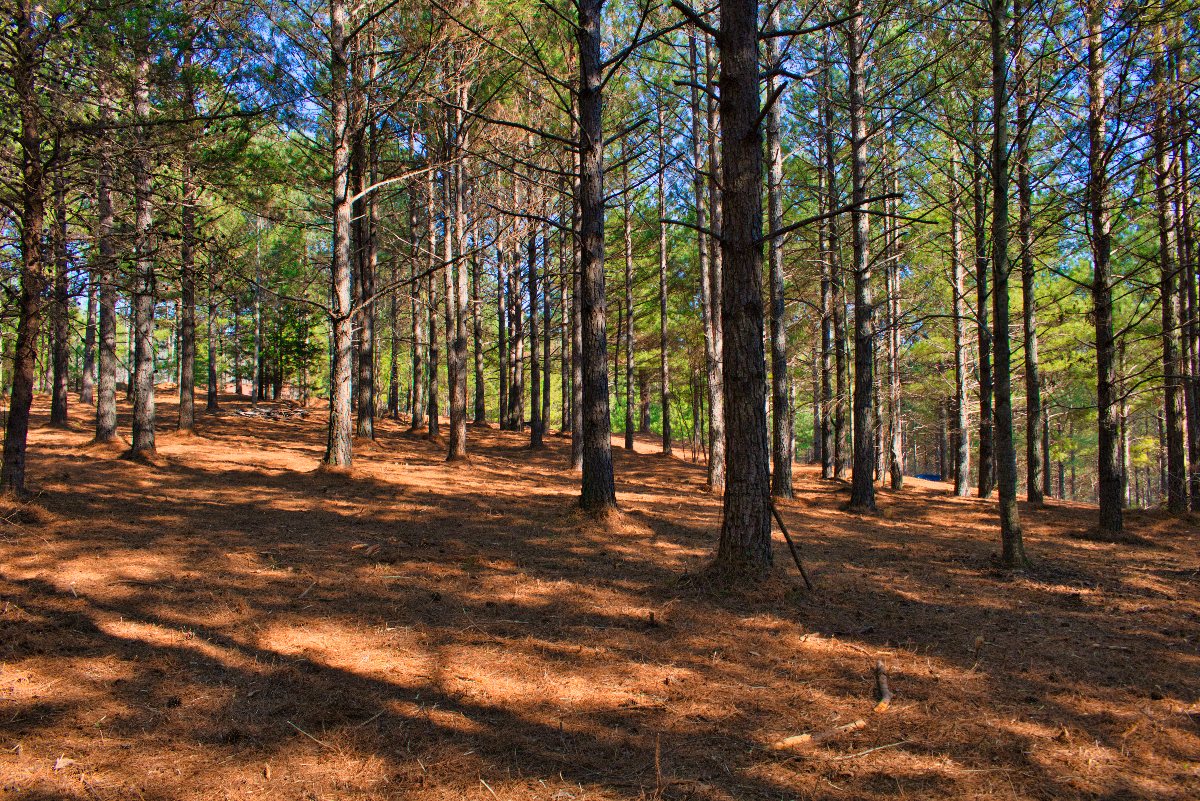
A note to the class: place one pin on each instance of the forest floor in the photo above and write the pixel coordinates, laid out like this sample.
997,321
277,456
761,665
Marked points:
229,622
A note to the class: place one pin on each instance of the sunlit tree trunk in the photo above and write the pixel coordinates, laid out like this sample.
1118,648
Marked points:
664,370
1012,544
143,279
962,419
862,490
338,447
716,362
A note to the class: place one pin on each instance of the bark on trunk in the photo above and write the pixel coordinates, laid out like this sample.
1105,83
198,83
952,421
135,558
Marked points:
143,281
987,465
338,447
716,365
664,360
1012,543
1110,482
33,278
781,418
598,492
962,419
862,490
745,544
60,306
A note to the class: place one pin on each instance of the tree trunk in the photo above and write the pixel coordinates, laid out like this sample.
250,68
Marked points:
598,492
987,464
664,361
535,372
1176,484
962,419
60,347
745,544
1035,467
106,368
213,345
1012,543
892,272
1110,482
24,69
338,448
716,366
143,286
187,304
781,463
627,332
87,384
480,411
862,490
837,279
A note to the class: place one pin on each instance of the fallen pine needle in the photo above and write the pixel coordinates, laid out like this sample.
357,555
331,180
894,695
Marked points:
309,736
489,788
868,751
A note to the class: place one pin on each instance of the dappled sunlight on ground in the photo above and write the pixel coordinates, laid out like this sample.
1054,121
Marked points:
232,622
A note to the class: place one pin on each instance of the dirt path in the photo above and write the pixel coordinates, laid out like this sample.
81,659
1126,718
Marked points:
231,623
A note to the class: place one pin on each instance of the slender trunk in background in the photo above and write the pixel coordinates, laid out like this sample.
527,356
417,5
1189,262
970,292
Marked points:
256,371
1012,543
393,399
892,262
781,419
1035,466
60,303
237,347
338,447
987,464
480,411
457,288
716,368
576,341
535,372
627,332
187,304
1176,483
862,490
546,321
187,274
745,543
837,279
962,418
367,256
417,325
702,244
664,362
598,492
143,281
24,71
87,384
502,338
213,347
1110,482
826,354
432,410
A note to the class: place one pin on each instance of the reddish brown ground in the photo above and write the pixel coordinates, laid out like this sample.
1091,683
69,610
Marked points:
230,623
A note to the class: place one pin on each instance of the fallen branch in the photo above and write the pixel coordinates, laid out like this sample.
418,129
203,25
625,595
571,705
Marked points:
883,693
792,547
812,739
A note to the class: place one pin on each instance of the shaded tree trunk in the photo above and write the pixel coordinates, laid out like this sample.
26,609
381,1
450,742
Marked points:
664,361
213,346
87,383
598,491
987,464
745,543
1100,236
715,334
781,419
60,307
